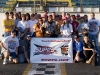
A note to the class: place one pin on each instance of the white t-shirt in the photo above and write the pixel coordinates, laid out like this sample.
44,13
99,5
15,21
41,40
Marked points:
66,30
82,26
93,26
31,24
11,43
23,25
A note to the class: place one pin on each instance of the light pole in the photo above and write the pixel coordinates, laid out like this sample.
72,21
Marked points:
34,7
81,6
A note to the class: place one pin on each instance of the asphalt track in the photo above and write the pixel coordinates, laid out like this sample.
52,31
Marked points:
49,69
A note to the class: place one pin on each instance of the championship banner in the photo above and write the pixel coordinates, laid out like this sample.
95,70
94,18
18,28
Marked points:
51,50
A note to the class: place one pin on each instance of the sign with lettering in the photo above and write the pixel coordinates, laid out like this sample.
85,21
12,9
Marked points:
51,50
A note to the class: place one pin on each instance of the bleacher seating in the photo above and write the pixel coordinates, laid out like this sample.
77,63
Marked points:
87,3
9,5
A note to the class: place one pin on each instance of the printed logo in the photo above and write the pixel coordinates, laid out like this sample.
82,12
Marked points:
64,50
45,50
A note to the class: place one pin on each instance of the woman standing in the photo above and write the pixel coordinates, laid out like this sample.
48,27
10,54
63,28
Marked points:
38,29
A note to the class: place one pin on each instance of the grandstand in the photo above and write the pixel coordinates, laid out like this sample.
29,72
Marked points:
9,5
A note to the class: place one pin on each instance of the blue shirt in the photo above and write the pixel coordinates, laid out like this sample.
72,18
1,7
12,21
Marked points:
78,46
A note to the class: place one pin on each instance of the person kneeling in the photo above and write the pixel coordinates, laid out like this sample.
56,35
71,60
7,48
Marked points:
78,49
24,50
10,45
89,51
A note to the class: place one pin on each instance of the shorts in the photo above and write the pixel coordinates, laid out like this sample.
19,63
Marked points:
80,55
13,55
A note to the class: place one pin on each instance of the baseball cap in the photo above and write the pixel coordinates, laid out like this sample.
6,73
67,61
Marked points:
64,18
28,36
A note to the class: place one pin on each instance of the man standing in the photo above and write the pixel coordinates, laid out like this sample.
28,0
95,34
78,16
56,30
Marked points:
8,25
94,28
10,45
51,29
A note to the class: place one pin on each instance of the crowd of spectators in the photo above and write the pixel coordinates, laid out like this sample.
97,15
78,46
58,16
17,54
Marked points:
20,28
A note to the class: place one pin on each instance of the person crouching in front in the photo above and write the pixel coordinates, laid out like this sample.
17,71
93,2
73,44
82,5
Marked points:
24,50
77,49
10,45
88,50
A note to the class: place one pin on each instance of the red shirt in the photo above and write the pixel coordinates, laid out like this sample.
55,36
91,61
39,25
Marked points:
74,25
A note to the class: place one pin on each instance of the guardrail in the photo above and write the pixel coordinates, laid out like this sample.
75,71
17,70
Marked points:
57,9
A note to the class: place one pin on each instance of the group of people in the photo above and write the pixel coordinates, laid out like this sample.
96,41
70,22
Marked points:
19,28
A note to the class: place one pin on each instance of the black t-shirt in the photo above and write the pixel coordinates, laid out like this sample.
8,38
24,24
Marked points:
88,45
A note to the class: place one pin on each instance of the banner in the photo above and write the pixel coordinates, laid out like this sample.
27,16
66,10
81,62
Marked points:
51,50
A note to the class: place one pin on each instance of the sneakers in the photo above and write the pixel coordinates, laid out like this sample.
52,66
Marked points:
97,59
4,62
10,58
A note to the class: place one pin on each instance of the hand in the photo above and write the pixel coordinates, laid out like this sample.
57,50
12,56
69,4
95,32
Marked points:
68,35
28,60
77,58
6,50
21,35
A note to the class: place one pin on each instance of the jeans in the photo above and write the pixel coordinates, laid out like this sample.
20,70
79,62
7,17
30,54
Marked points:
95,39
6,34
22,58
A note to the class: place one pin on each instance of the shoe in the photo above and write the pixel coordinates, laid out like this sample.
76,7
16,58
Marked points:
10,58
97,54
4,62
97,59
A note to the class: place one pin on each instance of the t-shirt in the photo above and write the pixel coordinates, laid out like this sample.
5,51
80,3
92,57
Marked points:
31,24
82,26
74,25
23,25
66,30
88,45
11,43
78,46
93,26
9,22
